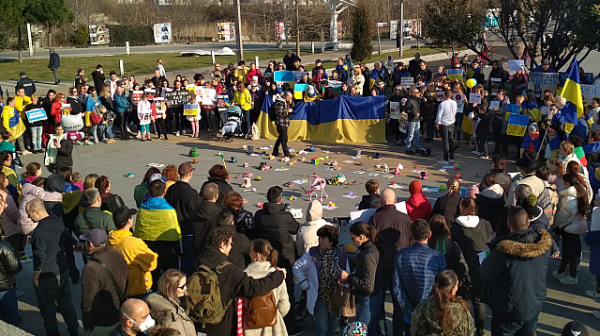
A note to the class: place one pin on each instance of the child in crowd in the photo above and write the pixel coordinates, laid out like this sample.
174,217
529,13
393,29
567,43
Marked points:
33,170
372,199
144,111
5,145
108,119
77,180
194,119
417,205
482,131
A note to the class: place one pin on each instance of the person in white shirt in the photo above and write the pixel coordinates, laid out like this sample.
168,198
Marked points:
444,122
144,111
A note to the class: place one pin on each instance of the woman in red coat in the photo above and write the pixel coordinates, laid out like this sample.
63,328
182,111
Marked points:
417,204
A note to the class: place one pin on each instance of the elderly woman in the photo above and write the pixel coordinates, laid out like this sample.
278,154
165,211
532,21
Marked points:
218,174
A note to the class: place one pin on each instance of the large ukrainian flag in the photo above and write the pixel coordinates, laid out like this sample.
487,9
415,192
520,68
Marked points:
572,93
343,119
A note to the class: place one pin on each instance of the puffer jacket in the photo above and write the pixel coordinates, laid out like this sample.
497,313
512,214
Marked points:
10,216
307,233
414,275
9,266
490,205
425,321
514,274
447,206
418,206
170,315
93,218
367,278
592,239
567,208
370,201
29,193
277,226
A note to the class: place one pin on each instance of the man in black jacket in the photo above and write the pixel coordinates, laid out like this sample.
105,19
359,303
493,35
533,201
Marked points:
98,77
289,59
413,109
414,64
514,276
53,65
25,83
50,270
240,252
103,284
205,218
9,267
233,282
185,200
282,107
277,226
423,71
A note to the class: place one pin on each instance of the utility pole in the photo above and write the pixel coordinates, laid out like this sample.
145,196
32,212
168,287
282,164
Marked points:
238,31
297,30
285,23
401,26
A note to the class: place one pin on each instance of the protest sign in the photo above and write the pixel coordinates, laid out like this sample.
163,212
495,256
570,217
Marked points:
159,104
475,98
439,95
137,95
542,81
209,97
150,93
589,92
403,121
455,74
517,124
513,108
495,84
65,109
298,90
595,219
162,33
459,98
394,110
545,110
407,82
191,88
37,114
176,98
288,76
190,109
494,105
514,65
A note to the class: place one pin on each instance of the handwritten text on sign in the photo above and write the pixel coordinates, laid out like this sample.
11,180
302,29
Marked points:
517,124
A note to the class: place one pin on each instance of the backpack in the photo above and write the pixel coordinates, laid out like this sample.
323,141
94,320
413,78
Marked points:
254,132
204,303
260,311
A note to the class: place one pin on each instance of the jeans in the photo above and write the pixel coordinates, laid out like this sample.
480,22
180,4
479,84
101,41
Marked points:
21,142
283,140
367,310
189,254
55,73
457,126
478,312
571,249
246,121
9,307
168,252
324,321
503,325
412,133
446,132
36,137
53,290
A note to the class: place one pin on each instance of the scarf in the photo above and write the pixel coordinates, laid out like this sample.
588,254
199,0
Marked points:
328,274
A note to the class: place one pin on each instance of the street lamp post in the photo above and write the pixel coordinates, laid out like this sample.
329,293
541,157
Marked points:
238,31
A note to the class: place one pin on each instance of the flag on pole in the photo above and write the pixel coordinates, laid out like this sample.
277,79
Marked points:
572,93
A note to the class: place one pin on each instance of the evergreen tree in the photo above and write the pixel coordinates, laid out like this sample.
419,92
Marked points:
362,32
50,13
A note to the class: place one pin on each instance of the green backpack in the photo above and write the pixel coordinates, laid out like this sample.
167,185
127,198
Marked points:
204,303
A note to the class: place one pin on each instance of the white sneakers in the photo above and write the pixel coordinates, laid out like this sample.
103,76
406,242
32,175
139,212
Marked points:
565,279
593,294
444,162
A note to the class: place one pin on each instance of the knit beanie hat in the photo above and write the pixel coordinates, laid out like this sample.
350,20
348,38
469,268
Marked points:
472,191
575,328
529,203
533,128
415,187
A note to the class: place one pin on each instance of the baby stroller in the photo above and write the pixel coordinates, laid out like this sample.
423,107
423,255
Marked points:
233,123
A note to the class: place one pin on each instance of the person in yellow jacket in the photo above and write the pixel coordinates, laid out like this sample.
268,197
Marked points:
242,98
140,259
21,101
241,73
13,123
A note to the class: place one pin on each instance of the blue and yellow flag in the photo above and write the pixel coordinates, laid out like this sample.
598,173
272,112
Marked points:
572,93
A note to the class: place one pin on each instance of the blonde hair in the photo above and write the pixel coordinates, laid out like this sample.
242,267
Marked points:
452,185
90,181
168,284
567,146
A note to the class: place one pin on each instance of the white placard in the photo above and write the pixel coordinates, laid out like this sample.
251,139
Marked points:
475,98
407,82
494,105
515,65
365,215
394,110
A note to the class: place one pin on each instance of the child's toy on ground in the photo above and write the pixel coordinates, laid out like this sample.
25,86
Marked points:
378,155
315,160
442,187
245,164
457,166
317,184
337,180
223,159
258,178
264,166
259,204
193,152
292,198
129,175
458,176
292,163
194,161
423,175
233,159
289,184
247,180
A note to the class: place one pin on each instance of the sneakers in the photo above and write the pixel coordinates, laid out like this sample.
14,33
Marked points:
444,162
96,141
451,160
184,133
484,157
139,135
177,134
128,130
110,141
25,152
408,151
593,294
558,275
569,280
88,142
474,151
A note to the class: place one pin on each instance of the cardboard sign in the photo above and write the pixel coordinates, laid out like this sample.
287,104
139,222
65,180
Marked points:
191,89
136,95
595,219
475,98
514,65
394,110
517,124
403,121
459,98
545,110
542,81
176,98
407,82
159,104
494,105
298,90
513,108
190,109
34,115
66,109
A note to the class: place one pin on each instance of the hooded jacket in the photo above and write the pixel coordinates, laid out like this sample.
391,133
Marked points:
490,205
567,208
140,260
157,221
514,274
10,216
9,266
370,201
93,218
233,282
307,233
418,206
240,251
170,315
204,221
448,206
472,233
54,186
277,226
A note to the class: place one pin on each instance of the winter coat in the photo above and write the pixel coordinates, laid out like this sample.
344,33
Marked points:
9,266
370,201
306,271
277,226
140,260
233,283
414,275
573,157
100,301
455,259
259,270
240,251
592,239
185,200
48,246
204,221
290,60
12,122
418,206
448,206
567,208
244,222
59,157
157,221
307,233
93,218
472,234
412,108
224,187
367,278
121,103
243,99
425,320
537,187
503,179
29,193
499,72
342,72
514,274
490,205
170,315
10,216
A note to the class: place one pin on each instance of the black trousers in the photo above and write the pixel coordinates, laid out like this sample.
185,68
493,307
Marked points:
178,119
168,257
283,140
482,144
53,290
571,249
120,123
447,135
160,126
498,138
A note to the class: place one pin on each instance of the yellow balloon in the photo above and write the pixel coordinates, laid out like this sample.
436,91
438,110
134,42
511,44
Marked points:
471,82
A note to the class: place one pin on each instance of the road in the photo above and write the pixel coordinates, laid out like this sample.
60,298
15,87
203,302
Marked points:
167,48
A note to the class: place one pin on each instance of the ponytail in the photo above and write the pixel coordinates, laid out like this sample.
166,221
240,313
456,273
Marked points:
273,257
264,248
442,292
362,228
577,182
452,185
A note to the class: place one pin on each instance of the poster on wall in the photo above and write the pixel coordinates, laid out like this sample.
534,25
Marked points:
162,33
225,32
99,35
340,32
393,29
